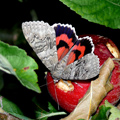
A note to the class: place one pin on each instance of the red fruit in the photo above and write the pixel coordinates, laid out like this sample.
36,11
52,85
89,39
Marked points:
68,97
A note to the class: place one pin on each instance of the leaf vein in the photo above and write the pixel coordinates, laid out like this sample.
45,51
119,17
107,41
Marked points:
113,3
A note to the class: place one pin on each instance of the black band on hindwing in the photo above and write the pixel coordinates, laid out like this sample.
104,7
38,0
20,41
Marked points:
77,54
62,44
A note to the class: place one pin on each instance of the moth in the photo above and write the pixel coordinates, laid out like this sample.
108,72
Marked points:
65,55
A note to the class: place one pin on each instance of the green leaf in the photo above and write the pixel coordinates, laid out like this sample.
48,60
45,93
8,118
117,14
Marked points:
15,61
11,108
115,113
51,108
43,115
104,12
6,66
102,115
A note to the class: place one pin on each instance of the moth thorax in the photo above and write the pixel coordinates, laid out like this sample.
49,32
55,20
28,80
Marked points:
56,74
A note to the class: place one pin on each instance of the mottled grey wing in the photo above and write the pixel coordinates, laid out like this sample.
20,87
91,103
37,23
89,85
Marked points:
41,37
85,68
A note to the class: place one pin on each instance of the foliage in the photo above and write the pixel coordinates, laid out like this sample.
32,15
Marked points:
104,12
43,115
16,62
102,113
107,112
115,113
11,108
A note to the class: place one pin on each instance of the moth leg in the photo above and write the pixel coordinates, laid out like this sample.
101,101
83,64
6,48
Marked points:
55,80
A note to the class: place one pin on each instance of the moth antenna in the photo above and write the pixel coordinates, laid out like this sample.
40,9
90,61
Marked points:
55,91
46,84
56,98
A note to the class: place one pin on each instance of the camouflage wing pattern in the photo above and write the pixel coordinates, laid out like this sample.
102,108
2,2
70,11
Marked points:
41,37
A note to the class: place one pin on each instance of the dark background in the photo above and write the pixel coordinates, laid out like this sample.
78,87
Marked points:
15,12
12,14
